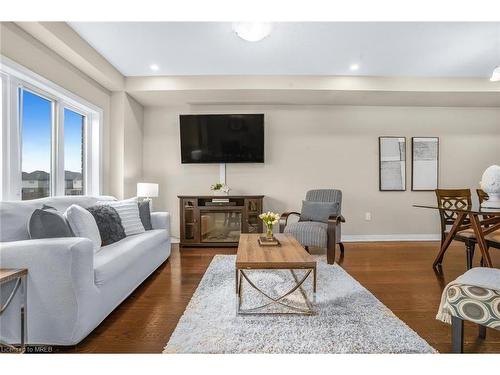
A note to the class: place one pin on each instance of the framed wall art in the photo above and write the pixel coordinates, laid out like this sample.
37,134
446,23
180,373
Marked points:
392,163
424,163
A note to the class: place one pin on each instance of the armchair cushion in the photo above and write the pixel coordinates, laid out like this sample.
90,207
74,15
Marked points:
309,233
318,211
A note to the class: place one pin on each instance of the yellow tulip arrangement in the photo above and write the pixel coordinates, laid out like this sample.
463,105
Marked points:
269,218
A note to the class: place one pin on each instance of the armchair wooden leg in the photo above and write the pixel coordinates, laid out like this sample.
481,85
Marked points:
457,335
330,248
482,332
341,245
330,253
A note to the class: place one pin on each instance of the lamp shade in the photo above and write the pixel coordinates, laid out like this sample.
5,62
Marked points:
146,189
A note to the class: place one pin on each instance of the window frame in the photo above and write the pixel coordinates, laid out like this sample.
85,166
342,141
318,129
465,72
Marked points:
14,77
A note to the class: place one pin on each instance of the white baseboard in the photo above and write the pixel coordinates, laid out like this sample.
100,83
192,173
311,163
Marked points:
389,237
375,237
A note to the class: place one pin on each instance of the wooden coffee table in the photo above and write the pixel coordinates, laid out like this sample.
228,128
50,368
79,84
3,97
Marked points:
290,255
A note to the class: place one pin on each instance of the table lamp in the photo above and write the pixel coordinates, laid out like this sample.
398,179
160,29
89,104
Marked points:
147,191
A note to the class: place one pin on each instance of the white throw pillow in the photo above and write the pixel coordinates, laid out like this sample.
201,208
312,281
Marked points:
128,210
83,224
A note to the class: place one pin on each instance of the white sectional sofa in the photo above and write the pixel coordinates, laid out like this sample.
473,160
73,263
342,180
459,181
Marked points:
70,289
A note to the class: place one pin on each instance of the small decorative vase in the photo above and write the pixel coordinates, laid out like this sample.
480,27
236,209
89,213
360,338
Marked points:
490,183
269,232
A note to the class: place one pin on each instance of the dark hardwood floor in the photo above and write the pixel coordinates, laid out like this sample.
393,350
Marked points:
397,273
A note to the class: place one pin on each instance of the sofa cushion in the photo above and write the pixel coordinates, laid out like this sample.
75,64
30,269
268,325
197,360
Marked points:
83,224
47,222
14,215
129,214
109,223
145,214
309,233
113,259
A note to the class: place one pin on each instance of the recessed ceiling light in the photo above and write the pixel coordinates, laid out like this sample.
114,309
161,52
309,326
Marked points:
354,67
154,67
252,31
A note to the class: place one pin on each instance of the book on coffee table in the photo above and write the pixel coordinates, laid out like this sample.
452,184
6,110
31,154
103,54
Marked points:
264,241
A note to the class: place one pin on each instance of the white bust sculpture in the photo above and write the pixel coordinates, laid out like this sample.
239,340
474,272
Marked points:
490,183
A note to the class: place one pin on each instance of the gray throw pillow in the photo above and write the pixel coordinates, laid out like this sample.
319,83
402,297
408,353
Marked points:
318,211
145,214
109,224
47,222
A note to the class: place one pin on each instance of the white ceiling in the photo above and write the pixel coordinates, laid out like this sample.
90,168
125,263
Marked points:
299,48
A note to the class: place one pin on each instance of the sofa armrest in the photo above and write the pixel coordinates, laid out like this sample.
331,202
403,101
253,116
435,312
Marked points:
160,220
60,282
70,258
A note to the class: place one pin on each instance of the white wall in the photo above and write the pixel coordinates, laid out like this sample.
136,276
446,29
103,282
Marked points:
133,138
122,115
126,145
330,146
22,48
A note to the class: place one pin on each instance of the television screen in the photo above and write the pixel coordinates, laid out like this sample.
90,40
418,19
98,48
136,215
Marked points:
222,138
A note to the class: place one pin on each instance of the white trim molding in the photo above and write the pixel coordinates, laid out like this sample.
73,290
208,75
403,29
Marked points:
389,237
15,77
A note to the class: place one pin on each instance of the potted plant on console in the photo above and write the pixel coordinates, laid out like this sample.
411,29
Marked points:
220,189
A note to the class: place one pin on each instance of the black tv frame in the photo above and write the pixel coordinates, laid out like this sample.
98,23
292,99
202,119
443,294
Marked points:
223,162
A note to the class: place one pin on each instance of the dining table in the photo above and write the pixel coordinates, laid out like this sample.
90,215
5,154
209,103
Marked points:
483,222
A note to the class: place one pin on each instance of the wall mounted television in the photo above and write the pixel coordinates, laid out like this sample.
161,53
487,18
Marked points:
232,138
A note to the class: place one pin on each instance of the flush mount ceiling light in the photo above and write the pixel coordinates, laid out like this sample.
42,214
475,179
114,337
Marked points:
154,67
354,67
495,77
252,31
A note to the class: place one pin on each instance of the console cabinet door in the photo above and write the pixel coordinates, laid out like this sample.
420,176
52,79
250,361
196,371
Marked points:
252,223
189,220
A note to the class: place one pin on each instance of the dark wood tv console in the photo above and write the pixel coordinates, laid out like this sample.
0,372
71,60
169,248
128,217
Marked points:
213,224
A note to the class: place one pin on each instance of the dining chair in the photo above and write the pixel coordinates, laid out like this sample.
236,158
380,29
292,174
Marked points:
482,196
456,198
493,239
474,297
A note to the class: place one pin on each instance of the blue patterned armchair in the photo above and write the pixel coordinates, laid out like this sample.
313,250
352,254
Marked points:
318,234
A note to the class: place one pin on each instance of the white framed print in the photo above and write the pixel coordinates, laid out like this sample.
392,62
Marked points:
424,163
392,163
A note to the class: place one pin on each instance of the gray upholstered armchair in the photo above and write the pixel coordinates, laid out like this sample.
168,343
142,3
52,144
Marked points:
324,233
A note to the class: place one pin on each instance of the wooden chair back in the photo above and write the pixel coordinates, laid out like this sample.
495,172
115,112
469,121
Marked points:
482,195
451,198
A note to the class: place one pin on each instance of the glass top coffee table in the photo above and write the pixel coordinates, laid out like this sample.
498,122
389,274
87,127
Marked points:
289,256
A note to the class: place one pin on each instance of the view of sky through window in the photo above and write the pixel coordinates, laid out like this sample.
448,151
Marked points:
37,151
36,132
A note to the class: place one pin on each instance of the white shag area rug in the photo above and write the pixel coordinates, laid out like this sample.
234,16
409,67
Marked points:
349,318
